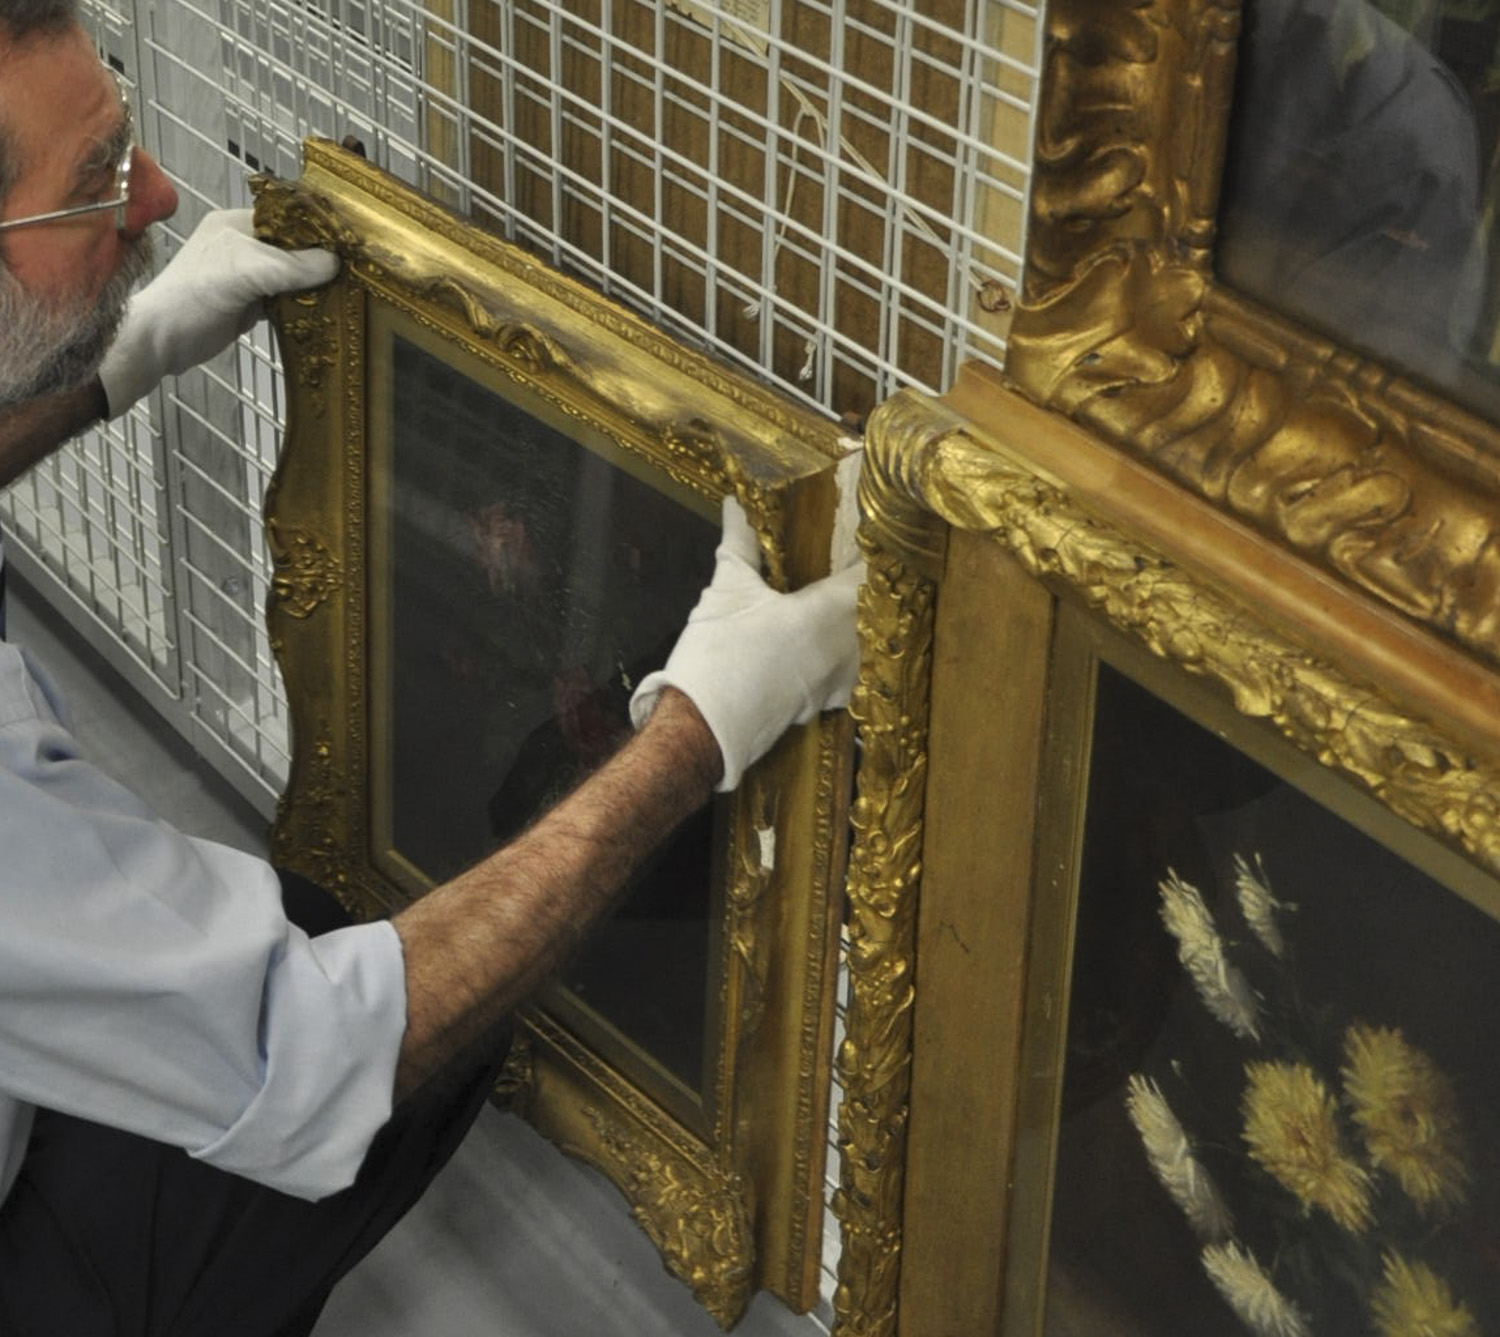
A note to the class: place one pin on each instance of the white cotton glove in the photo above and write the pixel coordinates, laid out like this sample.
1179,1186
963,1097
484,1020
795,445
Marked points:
754,661
207,297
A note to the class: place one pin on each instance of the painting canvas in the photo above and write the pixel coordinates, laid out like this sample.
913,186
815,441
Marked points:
1276,1093
1359,184
533,580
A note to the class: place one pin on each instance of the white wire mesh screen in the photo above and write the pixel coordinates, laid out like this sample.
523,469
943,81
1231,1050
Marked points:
822,1315
830,195
93,517
147,532
90,523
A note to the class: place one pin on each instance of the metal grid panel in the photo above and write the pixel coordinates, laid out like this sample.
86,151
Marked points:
829,195
821,1318
234,88
88,525
91,517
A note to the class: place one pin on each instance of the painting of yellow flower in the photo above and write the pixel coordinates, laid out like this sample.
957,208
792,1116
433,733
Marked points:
1292,1133
1413,1301
1407,1115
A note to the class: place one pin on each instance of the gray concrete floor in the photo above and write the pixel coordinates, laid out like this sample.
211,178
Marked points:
513,1239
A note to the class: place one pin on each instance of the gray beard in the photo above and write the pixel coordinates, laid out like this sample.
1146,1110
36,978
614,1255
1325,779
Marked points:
48,345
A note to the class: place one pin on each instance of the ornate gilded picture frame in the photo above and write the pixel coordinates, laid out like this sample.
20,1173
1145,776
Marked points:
496,504
1111,738
1152,316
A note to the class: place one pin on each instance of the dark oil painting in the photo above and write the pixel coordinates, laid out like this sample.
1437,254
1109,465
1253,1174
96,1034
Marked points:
1280,1101
535,578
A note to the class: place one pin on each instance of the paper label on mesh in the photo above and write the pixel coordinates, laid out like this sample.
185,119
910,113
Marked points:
744,21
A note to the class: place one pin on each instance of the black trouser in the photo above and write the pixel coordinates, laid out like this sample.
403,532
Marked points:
106,1234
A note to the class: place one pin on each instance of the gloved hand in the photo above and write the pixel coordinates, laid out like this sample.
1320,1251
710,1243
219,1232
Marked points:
201,302
754,661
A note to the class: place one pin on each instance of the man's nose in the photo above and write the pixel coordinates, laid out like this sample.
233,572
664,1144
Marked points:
152,196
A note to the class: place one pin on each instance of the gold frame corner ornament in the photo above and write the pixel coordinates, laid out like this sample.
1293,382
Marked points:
1125,330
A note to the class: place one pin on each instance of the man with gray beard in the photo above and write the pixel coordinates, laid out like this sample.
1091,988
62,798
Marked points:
51,345
74,243
208,1113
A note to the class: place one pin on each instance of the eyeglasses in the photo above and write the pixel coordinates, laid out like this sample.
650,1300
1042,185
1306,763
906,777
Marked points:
119,199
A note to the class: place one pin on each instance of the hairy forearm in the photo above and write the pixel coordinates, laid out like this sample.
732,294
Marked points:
477,946
32,430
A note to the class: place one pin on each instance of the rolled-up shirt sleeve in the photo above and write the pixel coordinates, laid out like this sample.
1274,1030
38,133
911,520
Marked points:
152,982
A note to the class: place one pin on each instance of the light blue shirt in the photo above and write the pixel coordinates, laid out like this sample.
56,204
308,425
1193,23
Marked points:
152,982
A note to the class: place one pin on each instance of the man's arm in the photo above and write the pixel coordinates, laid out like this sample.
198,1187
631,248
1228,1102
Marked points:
749,663
477,946
32,430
